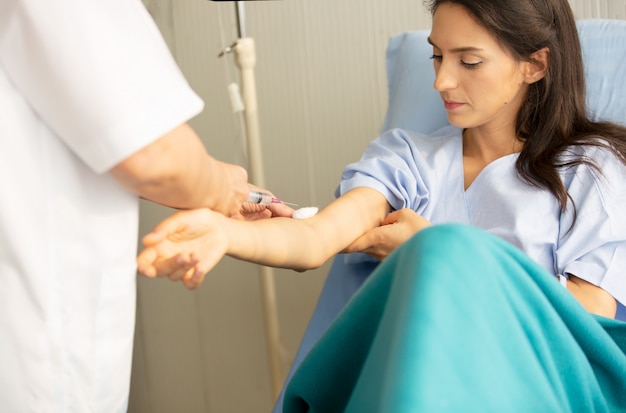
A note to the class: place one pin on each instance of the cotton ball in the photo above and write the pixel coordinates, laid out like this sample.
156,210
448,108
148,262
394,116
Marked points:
304,213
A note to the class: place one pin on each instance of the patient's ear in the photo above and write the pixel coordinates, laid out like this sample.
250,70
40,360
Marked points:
537,67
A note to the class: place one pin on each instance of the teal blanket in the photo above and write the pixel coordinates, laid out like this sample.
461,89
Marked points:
457,320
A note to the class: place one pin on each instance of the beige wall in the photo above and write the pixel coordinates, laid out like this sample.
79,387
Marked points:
322,97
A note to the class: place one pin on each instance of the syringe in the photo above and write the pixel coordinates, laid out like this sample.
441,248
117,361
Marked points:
264,198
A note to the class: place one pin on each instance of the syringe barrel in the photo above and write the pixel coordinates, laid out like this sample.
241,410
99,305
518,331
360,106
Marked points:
259,197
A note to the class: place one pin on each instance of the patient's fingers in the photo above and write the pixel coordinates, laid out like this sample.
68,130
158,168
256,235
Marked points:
149,264
395,229
195,279
176,268
204,264
144,263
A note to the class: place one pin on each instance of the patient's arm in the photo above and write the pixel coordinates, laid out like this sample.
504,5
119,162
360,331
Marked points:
593,298
396,228
189,243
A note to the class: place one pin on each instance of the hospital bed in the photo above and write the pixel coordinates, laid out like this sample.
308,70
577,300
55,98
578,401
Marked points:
415,105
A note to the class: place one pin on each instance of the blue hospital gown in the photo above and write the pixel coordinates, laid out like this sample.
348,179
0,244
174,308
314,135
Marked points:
425,173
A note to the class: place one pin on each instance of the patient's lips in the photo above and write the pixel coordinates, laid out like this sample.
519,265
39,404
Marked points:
450,105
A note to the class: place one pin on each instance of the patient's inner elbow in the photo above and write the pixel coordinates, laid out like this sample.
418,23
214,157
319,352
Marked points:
595,299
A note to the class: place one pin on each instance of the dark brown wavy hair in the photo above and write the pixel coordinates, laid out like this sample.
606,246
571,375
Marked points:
553,117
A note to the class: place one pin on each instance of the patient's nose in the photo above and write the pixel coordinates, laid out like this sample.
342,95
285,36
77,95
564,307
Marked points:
445,77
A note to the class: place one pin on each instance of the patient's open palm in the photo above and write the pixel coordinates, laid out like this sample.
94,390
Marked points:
184,246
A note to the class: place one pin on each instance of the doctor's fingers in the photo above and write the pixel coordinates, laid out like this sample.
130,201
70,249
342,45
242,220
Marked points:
253,212
281,210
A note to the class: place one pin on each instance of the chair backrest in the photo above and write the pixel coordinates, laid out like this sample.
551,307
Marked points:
604,54
415,105
413,102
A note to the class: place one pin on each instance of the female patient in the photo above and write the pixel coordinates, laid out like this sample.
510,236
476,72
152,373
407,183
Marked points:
457,319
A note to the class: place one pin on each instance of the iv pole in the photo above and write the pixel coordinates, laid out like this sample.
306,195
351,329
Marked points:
246,60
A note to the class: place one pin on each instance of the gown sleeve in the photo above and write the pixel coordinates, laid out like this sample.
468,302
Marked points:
405,167
594,249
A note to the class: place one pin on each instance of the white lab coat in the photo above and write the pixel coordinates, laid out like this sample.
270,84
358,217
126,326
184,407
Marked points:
83,85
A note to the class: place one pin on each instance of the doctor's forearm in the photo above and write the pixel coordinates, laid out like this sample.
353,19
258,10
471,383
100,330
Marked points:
177,171
216,186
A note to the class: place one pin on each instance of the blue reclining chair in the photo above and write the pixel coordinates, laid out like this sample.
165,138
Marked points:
415,105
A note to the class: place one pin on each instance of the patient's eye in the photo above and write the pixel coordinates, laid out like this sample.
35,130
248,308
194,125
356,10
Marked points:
470,65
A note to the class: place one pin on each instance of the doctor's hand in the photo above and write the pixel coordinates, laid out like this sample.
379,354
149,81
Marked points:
184,246
395,229
250,211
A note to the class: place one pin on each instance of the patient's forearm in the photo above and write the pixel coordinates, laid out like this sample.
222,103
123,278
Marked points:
285,243
306,244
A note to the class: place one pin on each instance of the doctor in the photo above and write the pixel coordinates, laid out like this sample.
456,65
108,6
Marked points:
94,113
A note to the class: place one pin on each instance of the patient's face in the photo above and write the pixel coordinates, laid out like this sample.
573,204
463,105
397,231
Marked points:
480,83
